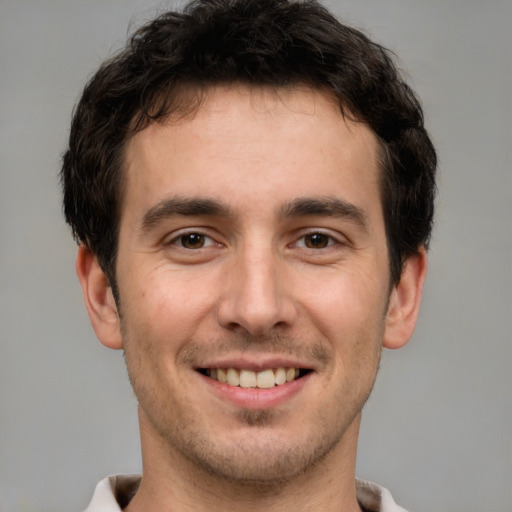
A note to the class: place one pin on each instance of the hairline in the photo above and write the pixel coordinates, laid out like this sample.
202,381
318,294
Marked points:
197,94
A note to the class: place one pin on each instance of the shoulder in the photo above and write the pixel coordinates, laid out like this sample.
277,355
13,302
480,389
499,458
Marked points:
113,493
375,498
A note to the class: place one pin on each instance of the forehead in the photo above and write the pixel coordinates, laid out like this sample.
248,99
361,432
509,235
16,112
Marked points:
251,142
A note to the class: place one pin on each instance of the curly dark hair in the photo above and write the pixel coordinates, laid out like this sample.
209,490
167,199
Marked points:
279,43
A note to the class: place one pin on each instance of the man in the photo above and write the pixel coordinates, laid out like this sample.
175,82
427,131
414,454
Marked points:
251,186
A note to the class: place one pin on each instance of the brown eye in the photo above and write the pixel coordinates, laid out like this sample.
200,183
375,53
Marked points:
192,241
317,241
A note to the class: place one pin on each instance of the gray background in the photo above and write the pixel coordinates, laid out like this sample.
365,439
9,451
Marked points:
438,429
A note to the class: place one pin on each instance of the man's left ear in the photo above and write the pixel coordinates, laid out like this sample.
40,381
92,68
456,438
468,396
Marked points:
404,302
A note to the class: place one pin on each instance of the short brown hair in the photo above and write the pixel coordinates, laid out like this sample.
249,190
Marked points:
279,43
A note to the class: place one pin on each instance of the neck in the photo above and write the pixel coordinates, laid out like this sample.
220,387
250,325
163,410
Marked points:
172,482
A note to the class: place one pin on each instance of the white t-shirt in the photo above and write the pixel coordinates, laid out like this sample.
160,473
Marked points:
115,492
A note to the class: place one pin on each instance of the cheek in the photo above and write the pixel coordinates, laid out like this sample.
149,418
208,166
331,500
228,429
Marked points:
347,300
169,304
349,314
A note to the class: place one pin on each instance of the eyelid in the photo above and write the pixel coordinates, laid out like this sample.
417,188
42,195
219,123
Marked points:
334,238
175,237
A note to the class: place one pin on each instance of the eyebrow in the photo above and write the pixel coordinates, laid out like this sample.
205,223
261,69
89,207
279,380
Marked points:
183,206
325,206
300,207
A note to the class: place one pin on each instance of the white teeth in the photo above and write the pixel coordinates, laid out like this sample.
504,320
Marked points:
233,378
248,379
266,379
280,376
221,375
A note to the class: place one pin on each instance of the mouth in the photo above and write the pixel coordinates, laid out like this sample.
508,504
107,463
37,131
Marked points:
264,379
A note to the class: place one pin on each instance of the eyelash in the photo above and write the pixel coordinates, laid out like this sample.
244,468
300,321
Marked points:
206,241
178,240
325,237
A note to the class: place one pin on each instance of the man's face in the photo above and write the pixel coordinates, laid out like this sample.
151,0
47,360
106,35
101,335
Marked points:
252,240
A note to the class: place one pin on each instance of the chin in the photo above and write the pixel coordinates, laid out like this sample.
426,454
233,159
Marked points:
260,456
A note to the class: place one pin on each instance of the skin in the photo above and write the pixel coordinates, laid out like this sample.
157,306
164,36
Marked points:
254,278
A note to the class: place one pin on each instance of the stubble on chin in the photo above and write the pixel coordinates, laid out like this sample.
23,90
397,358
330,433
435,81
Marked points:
259,458
255,418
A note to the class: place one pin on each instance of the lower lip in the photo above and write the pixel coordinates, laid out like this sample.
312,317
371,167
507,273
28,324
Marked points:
256,398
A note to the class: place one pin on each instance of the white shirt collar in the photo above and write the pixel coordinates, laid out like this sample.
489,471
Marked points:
120,489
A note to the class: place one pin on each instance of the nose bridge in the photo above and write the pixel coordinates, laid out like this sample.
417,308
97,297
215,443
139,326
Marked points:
256,297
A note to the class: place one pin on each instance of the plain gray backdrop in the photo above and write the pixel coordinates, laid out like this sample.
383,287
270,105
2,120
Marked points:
437,430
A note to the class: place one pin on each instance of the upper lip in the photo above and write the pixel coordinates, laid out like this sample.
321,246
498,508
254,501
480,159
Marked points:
257,364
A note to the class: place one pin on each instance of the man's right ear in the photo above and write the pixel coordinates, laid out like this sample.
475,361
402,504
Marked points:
99,299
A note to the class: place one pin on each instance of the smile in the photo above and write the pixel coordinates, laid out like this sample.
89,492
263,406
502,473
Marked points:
264,379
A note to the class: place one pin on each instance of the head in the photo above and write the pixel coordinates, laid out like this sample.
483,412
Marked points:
168,67
257,180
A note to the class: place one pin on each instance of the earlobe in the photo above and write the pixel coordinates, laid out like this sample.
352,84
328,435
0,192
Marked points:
404,302
99,299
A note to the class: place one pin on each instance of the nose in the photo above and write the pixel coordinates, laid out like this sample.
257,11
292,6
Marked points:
257,295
